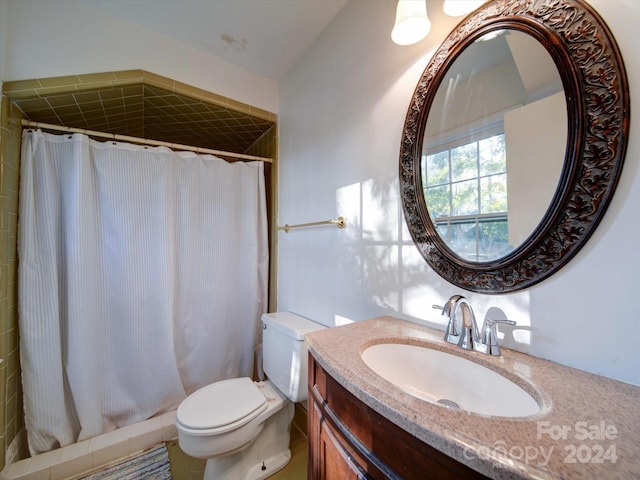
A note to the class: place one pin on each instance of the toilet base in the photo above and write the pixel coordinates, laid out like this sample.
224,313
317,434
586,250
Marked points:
271,466
270,450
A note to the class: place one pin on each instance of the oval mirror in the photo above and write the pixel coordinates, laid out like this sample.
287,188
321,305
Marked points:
513,143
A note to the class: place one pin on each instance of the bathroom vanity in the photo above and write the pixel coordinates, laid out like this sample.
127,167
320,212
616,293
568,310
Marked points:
350,440
363,426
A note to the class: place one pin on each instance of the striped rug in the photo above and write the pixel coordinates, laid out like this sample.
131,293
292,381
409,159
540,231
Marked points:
152,464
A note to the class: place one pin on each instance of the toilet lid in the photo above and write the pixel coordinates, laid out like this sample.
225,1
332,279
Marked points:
220,404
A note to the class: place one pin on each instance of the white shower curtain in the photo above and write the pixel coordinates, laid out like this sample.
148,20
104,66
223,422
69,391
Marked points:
142,276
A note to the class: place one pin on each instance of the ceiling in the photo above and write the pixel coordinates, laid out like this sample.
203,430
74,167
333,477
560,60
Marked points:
263,36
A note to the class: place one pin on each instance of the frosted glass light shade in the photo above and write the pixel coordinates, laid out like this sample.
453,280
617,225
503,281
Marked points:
457,8
412,23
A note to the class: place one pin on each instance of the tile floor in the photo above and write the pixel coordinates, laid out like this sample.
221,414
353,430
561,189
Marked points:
184,467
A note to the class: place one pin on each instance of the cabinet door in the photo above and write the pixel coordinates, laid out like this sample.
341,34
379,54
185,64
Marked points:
331,458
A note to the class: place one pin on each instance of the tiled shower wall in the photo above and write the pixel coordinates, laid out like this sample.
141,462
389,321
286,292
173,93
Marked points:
267,146
11,415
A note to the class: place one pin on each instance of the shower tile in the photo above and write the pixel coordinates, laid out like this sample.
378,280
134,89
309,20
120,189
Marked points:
60,81
38,115
3,375
21,85
116,102
35,475
62,89
15,470
11,413
67,110
75,461
43,461
91,106
19,94
188,90
87,97
158,80
74,119
11,384
3,452
145,435
12,417
110,94
115,113
169,429
97,77
240,107
76,450
109,447
214,98
59,101
33,104
68,468
132,91
128,74
94,114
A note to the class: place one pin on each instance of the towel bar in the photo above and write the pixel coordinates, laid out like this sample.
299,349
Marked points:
339,222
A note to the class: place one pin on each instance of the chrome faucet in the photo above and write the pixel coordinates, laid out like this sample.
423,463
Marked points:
466,335
489,336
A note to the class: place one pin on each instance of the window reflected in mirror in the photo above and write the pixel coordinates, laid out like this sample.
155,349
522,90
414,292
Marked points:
466,189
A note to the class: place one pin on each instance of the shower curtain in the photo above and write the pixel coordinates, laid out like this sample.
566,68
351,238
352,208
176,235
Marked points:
142,276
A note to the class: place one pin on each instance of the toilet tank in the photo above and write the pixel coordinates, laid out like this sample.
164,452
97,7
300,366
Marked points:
284,353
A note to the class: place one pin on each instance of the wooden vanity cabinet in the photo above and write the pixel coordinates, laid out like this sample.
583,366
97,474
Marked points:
348,440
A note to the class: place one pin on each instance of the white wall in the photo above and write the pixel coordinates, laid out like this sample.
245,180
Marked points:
3,36
47,38
342,109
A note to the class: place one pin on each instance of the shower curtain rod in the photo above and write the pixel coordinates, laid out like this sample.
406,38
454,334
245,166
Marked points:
144,141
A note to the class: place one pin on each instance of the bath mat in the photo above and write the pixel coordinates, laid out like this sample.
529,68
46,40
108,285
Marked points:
152,464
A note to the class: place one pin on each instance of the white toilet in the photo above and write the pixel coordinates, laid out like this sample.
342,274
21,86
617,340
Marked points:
242,427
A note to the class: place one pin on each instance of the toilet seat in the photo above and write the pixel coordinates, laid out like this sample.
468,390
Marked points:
221,407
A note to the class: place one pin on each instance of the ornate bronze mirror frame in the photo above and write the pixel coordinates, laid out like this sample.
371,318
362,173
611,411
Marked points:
597,100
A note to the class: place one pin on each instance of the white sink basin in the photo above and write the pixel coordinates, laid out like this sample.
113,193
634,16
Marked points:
449,380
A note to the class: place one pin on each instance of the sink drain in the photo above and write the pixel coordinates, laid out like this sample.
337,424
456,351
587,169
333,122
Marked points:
448,403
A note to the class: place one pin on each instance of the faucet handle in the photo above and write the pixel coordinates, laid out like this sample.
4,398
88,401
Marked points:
447,310
489,335
452,329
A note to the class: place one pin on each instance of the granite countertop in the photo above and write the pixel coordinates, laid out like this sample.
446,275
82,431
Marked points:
588,426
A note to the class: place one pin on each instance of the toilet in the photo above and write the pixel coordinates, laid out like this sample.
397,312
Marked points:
241,427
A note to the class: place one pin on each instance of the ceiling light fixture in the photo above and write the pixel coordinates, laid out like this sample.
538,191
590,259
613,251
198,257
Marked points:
457,8
412,23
